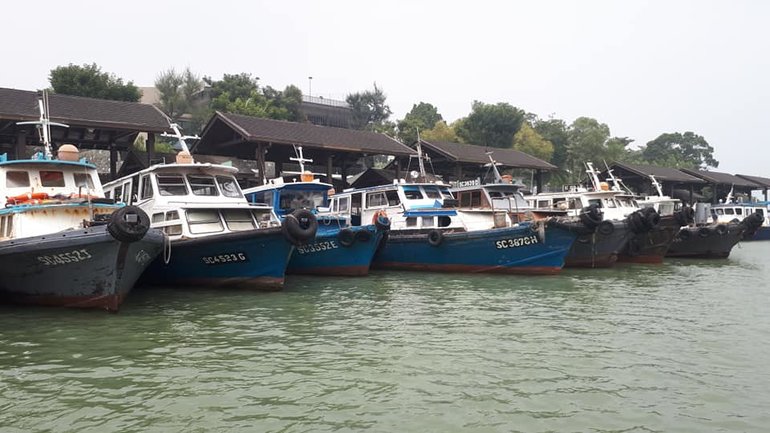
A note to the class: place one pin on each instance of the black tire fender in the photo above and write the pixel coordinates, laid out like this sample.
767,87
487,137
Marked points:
300,226
606,228
128,224
684,234
435,237
720,229
704,232
347,237
591,216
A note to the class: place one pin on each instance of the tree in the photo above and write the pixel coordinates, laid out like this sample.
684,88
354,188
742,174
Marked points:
586,143
527,140
555,131
491,125
423,117
240,94
90,81
687,150
369,109
171,98
441,132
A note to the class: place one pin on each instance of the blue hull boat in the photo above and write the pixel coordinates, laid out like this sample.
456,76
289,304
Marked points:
513,250
254,259
335,251
762,234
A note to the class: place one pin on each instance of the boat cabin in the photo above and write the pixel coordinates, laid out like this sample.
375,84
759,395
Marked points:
727,212
286,197
191,200
614,205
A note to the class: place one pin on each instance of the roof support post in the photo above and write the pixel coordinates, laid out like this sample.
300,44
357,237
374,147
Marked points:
113,160
150,148
692,194
261,166
329,169
459,171
344,171
398,168
715,196
21,144
539,180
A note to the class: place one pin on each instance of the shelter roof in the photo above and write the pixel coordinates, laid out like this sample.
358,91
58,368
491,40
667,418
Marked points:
256,130
663,174
470,153
761,181
722,178
19,105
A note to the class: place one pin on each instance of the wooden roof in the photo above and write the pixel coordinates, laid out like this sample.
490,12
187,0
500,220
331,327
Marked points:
663,174
21,105
470,153
761,181
226,129
722,178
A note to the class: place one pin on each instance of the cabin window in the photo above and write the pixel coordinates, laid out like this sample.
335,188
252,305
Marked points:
428,221
51,178
376,199
204,221
475,198
392,196
172,215
344,204
355,203
265,197
729,211
229,186
738,211
444,221
146,188
238,219
171,184
291,200
117,193
610,203
575,203
16,179
411,222
445,192
263,217
158,217
595,201
412,193
432,192
83,180
127,192
543,204
465,199
719,211
202,185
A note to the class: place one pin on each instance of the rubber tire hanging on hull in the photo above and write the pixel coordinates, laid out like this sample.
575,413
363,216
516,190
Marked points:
128,224
435,237
299,226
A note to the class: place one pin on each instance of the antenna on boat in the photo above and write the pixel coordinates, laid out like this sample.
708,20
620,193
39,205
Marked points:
493,164
617,183
300,158
181,139
44,124
419,156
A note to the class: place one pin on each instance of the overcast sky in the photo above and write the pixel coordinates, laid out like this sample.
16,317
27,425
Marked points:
641,67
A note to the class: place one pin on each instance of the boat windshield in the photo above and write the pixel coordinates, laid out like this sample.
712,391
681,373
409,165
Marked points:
291,200
171,184
229,186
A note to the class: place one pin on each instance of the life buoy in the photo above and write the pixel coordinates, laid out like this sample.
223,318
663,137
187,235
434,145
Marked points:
381,220
299,226
27,197
347,237
435,237
128,224
363,235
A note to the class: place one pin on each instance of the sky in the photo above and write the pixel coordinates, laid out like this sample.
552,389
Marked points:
642,67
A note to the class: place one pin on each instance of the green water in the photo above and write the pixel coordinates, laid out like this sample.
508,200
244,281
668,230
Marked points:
679,347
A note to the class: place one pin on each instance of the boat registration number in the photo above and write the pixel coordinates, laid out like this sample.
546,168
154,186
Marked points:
317,247
220,259
65,258
517,242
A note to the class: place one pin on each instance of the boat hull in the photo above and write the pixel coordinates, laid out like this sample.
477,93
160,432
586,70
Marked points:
651,246
511,250
598,248
85,268
762,234
706,242
253,259
328,254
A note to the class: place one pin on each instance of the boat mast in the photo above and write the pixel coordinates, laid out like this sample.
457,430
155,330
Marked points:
656,185
594,176
493,163
419,157
44,124
300,159
180,138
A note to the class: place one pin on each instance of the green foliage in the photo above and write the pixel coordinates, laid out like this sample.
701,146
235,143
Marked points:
370,112
555,131
527,140
687,150
240,94
90,81
441,132
491,125
423,117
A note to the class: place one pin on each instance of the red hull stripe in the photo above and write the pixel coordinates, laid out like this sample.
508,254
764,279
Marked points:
102,302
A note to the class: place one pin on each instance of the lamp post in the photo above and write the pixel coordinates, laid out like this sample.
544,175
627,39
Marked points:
310,87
